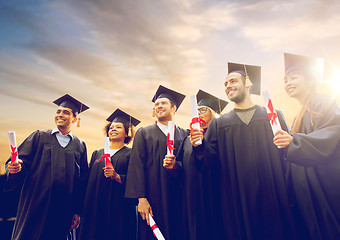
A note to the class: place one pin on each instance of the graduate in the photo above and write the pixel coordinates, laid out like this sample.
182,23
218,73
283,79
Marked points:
253,190
313,148
153,176
107,214
52,171
200,188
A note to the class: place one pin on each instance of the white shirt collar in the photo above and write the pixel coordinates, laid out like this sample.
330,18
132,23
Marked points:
56,130
163,128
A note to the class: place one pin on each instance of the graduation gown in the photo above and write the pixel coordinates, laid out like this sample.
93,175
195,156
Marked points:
201,205
107,214
53,187
315,169
253,190
147,178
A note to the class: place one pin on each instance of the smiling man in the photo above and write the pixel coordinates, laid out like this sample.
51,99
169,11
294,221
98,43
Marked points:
152,175
52,171
239,145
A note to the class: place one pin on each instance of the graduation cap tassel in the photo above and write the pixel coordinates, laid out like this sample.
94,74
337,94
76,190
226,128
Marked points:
130,128
78,123
248,82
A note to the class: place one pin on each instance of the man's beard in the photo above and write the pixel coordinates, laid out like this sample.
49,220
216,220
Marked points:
239,97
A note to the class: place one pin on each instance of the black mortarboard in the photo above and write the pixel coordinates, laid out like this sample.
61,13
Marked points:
254,73
312,65
206,99
122,117
70,102
175,97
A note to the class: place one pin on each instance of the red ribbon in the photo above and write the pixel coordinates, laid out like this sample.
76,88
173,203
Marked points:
272,115
14,154
106,156
153,227
196,120
169,143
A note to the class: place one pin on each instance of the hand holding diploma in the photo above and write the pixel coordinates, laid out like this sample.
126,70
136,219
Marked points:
195,122
169,162
282,139
196,135
144,209
14,166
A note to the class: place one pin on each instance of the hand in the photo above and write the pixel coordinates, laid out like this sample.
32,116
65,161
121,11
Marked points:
75,221
282,138
109,171
169,162
144,209
196,135
14,167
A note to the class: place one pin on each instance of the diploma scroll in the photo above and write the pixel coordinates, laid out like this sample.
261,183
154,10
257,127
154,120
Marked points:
272,115
155,229
13,146
170,138
195,120
107,151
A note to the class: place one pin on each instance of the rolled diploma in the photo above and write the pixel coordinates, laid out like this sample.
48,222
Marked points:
276,124
171,130
107,150
155,229
195,115
12,144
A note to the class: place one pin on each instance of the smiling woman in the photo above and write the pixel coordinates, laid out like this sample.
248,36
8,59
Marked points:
313,150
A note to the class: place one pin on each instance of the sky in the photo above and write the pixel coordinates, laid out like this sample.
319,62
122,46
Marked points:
114,54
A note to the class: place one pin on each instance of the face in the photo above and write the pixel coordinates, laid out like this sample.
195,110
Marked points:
295,84
117,132
235,87
206,114
64,117
163,110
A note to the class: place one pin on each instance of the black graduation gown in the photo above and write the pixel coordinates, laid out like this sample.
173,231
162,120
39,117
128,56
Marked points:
147,178
201,205
107,214
54,180
8,209
315,169
253,192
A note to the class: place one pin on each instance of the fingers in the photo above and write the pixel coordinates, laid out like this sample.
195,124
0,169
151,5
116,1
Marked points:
169,161
147,219
14,167
109,171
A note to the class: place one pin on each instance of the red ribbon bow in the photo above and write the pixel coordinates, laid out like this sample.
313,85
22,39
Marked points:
196,120
14,154
272,115
169,143
106,156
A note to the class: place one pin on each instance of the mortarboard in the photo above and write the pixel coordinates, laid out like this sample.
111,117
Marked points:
70,102
175,97
307,64
206,99
122,117
252,71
